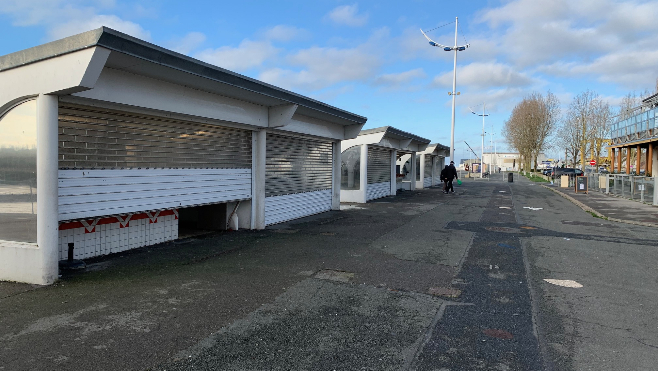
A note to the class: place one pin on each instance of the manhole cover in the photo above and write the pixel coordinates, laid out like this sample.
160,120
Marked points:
444,291
498,334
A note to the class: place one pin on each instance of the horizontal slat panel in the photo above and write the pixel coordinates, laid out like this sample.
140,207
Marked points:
295,165
379,165
93,193
98,138
288,207
378,190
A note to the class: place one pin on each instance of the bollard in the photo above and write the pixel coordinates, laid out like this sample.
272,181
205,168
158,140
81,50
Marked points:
510,177
70,257
70,263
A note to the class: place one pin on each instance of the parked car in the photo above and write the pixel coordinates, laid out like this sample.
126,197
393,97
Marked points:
559,171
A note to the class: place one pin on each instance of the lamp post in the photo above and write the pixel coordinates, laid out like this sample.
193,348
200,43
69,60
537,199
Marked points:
454,92
484,105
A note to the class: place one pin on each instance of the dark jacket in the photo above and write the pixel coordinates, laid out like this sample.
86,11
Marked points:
445,173
452,172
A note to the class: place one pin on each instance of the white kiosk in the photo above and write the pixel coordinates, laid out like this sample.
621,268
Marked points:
430,163
368,163
136,141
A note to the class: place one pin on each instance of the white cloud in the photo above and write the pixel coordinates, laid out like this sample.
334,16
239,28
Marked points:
565,30
321,67
77,26
484,75
398,80
63,18
285,33
187,43
348,15
249,54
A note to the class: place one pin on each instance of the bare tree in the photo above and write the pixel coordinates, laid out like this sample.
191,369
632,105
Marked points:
601,120
530,125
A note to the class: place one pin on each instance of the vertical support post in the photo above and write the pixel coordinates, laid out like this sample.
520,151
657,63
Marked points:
421,184
655,190
612,163
434,160
619,154
628,160
335,176
394,157
47,208
258,175
638,156
607,184
413,170
364,174
654,159
649,170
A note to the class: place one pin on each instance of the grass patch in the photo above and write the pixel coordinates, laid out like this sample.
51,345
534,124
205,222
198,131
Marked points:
597,215
536,178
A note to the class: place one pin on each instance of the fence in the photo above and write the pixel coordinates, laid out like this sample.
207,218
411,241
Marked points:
637,188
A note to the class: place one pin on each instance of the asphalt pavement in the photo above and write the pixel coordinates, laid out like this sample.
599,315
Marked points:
420,281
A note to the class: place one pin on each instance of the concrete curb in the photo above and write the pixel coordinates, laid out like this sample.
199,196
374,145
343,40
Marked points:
597,213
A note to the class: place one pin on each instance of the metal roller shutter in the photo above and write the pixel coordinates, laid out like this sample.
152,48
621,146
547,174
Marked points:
295,165
95,138
379,165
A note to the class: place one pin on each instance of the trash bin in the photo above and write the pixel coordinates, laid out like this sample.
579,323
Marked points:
510,177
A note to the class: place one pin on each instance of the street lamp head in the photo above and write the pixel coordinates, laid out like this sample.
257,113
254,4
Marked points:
447,48
433,43
461,48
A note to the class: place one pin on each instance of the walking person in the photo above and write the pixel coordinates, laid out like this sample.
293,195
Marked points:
450,175
444,178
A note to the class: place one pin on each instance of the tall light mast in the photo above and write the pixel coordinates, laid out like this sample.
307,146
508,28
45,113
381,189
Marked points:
454,91
484,105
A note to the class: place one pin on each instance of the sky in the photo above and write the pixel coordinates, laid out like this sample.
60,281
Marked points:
370,58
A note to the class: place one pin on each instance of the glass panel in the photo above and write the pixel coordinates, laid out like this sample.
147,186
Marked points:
18,174
350,168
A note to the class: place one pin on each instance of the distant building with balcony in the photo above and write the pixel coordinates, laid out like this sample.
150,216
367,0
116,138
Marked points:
636,132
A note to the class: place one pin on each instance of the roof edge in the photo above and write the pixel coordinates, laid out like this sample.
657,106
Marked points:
117,41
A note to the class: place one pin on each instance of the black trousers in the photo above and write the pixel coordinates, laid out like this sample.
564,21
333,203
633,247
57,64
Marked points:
448,187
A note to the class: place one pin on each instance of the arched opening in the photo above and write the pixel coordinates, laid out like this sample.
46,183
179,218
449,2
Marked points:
18,173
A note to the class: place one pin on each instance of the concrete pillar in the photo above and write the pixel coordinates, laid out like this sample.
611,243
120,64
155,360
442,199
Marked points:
47,209
258,179
335,177
394,188
433,170
413,170
421,183
364,172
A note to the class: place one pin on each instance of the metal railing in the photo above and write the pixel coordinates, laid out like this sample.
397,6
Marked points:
636,188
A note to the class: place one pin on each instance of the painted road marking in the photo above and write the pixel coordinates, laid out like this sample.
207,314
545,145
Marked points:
564,283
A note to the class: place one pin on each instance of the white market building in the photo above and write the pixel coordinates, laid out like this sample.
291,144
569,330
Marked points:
126,142
370,168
